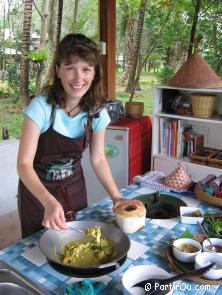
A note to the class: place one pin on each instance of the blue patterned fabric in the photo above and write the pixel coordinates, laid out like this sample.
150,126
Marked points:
148,239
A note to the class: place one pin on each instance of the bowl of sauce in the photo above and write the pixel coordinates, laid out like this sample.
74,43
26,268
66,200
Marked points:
217,243
185,249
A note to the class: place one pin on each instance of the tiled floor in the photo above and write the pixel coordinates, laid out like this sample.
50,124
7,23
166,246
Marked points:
9,229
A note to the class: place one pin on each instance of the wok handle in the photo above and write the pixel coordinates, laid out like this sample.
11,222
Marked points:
69,213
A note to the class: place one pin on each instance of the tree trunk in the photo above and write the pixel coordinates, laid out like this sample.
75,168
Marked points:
137,43
56,38
75,15
43,40
183,57
147,56
194,27
3,41
129,50
138,68
53,12
24,69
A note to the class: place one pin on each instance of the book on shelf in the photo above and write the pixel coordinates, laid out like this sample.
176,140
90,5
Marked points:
163,136
178,138
169,133
198,142
187,138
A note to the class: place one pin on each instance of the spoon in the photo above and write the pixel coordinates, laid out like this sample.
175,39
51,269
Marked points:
156,285
77,230
211,246
170,245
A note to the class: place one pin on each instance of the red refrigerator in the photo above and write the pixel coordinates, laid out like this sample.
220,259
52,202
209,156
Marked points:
139,144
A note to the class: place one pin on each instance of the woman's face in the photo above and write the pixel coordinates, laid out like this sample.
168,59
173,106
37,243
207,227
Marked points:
76,78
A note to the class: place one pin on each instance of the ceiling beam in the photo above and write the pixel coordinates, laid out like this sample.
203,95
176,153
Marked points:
107,25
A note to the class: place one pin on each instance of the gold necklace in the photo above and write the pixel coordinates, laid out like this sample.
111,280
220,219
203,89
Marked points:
70,111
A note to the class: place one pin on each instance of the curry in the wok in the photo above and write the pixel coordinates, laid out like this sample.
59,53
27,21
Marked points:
93,250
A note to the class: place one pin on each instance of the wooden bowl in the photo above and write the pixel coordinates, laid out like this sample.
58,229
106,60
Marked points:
204,197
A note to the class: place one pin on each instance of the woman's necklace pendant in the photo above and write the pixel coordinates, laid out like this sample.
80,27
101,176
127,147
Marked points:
68,112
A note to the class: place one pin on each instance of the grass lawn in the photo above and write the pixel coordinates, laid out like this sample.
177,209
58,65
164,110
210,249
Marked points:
11,117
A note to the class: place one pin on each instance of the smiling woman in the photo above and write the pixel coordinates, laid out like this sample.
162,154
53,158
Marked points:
58,127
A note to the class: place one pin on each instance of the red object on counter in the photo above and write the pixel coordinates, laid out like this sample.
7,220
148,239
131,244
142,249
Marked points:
218,194
140,142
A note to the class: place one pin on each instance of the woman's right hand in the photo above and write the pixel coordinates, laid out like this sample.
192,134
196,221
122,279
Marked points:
54,217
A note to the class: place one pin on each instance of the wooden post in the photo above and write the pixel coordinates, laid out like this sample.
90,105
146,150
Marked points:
107,23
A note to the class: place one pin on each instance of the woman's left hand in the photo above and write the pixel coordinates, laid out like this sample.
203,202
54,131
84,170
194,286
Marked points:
120,202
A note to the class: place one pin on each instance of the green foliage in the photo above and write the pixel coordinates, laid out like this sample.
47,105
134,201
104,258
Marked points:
32,86
165,73
87,18
37,56
13,80
5,90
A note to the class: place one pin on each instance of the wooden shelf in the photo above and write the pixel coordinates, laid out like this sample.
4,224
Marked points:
211,128
170,157
202,90
216,119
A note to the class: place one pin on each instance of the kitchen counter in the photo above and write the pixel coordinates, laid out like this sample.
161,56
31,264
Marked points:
25,257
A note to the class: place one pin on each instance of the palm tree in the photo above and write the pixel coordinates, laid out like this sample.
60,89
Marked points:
56,39
75,15
40,64
194,27
24,69
129,46
137,43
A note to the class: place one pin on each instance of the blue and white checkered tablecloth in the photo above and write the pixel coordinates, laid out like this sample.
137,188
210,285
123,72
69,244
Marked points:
26,258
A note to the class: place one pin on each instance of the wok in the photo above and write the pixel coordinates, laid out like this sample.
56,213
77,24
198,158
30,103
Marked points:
52,242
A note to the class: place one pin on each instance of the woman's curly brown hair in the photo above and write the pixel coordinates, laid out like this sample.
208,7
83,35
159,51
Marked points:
78,45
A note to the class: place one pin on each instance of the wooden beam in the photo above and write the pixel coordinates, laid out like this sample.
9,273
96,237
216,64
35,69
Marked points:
107,23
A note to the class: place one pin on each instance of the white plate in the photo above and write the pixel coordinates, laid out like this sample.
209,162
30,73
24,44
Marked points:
138,273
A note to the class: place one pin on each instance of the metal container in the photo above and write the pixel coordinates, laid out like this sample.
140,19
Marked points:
115,109
52,242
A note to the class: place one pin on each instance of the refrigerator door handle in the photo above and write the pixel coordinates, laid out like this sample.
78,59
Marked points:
118,137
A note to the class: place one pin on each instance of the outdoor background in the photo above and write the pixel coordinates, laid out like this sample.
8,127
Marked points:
154,38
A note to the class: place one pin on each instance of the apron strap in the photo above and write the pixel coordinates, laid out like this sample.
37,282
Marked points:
52,116
88,128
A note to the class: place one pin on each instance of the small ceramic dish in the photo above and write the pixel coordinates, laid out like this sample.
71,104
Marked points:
217,243
205,258
186,250
191,215
138,273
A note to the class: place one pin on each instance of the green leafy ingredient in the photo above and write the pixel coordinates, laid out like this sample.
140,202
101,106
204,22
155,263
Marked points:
215,223
186,234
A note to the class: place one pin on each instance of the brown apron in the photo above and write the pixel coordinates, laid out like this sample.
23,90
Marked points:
58,164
